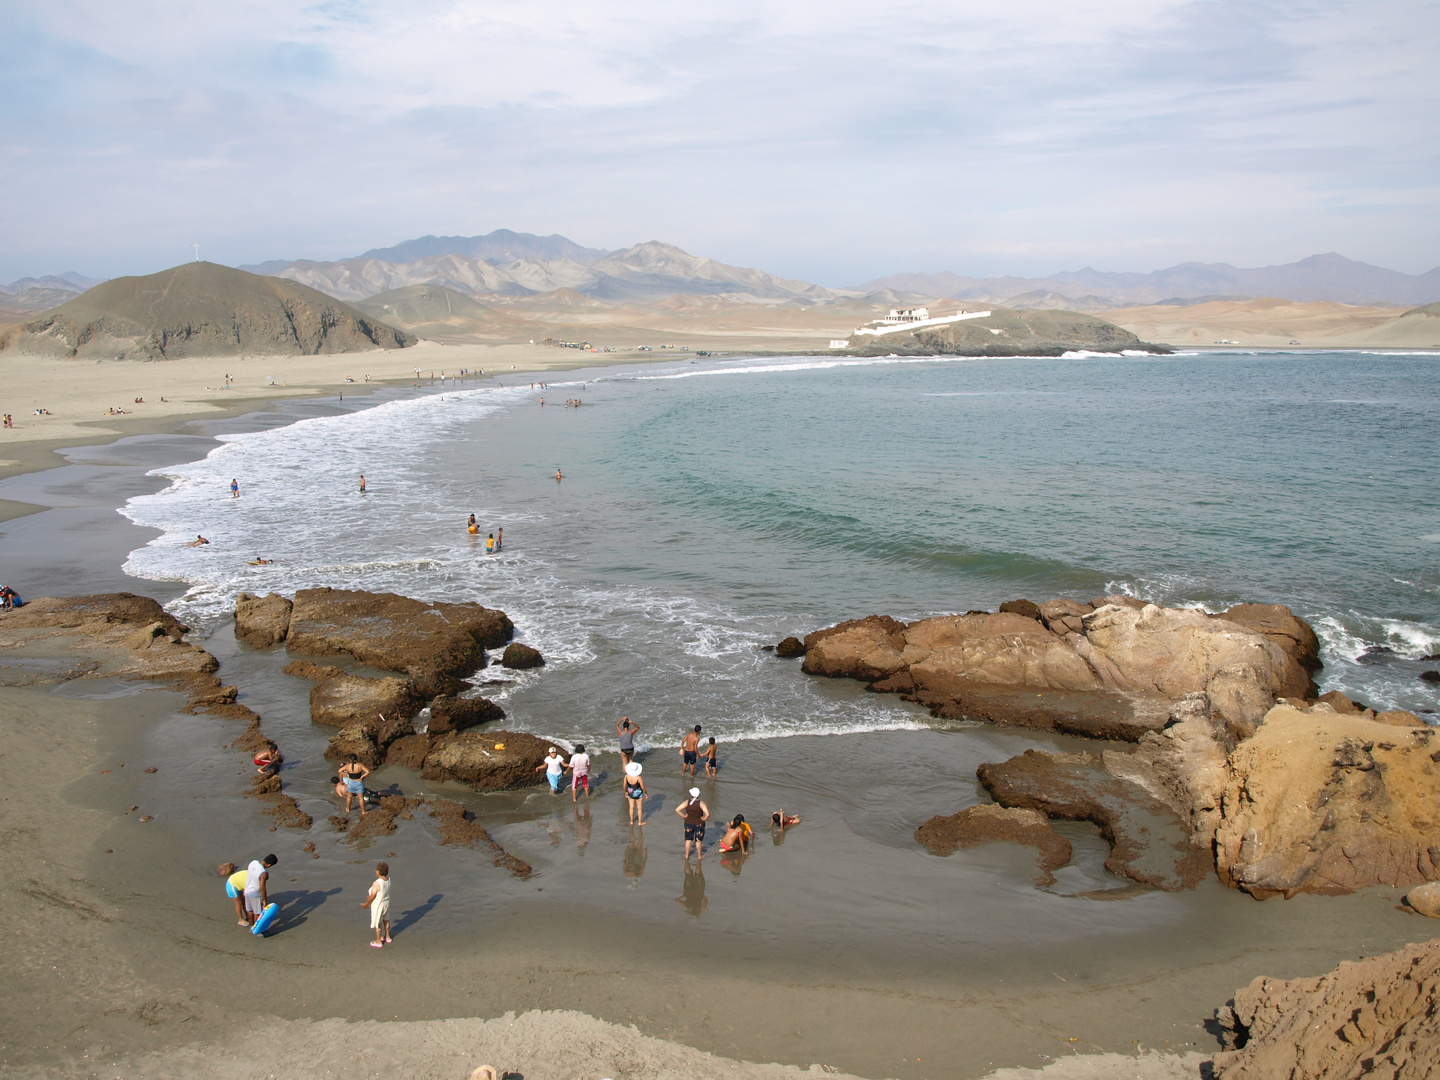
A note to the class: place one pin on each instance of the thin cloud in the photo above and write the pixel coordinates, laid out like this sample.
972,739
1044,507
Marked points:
828,141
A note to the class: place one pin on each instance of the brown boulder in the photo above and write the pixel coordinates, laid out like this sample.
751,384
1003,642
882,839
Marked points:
339,697
949,654
1099,714
435,644
1324,803
1378,1017
866,649
369,740
988,823
487,762
1280,625
451,714
789,648
520,657
410,750
1149,841
1341,704
1027,608
262,621
1425,899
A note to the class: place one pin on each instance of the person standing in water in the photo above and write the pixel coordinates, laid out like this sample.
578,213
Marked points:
362,483
626,730
559,475
499,539
635,792
490,544
710,763
695,813
353,773
688,756
472,526
234,488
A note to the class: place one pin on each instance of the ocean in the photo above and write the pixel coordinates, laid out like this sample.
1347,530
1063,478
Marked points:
712,506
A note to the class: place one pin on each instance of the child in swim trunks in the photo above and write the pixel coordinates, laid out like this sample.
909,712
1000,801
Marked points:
710,763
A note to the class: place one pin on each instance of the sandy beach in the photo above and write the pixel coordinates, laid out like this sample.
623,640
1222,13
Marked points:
126,961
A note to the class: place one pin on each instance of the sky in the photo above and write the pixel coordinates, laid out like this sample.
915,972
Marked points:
830,141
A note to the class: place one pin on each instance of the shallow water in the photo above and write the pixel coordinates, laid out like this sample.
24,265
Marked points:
712,506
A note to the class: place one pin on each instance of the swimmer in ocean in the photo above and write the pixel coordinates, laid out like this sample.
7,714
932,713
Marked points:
198,541
499,539
559,475
234,489
362,483
490,544
260,560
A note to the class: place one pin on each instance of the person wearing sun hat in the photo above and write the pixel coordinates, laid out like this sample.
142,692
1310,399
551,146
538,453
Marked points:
695,813
635,792
554,766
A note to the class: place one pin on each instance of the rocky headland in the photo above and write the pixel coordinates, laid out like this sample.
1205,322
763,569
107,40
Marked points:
431,648
1007,332
1218,753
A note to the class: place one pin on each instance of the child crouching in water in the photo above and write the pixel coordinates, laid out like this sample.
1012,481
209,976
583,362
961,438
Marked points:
379,904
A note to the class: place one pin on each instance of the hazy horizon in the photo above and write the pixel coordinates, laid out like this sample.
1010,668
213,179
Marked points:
830,143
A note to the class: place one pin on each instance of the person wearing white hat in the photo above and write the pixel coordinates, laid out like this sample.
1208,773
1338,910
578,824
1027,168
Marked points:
635,792
695,813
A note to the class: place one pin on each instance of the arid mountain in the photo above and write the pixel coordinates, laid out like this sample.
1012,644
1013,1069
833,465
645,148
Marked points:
1006,332
499,247
1320,277
16,306
201,309
70,282
440,314
638,274
1268,321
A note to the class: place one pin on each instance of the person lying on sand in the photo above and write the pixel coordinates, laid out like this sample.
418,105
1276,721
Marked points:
198,541
781,819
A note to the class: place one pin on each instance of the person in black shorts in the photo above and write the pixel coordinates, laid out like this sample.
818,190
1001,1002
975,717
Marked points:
710,763
689,754
695,813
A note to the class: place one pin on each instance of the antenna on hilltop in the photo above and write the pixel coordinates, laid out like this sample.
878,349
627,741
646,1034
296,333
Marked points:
197,251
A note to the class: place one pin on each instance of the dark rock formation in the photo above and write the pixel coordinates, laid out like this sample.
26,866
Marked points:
988,823
487,762
520,656
790,648
339,697
369,740
1023,607
261,621
458,826
435,644
1377,1017
1149,842
451,714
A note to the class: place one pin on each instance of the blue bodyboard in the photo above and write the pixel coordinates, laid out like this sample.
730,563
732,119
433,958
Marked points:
266,918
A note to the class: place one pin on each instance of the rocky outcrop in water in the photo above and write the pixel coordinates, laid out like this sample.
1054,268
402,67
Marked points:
1149,842
1378,1017
989,823
451,714
487,762
1322,803
519,657
262,621
1108,669
341,697
435,644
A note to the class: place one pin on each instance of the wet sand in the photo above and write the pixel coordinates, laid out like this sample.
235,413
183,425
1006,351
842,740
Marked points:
846,945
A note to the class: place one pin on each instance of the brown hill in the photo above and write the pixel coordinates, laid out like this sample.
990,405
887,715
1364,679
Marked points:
441,314
201,309
1006,332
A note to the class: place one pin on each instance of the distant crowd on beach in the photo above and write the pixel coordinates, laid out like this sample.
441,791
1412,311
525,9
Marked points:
249,888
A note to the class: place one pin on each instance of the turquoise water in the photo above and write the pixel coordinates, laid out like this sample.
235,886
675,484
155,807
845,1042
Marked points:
709,507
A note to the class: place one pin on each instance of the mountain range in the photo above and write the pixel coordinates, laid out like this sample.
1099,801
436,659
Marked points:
1320,277
512,266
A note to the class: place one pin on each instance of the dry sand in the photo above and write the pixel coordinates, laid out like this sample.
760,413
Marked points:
1268,322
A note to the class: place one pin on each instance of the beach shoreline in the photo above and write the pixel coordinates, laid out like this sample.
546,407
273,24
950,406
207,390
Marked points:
168,979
